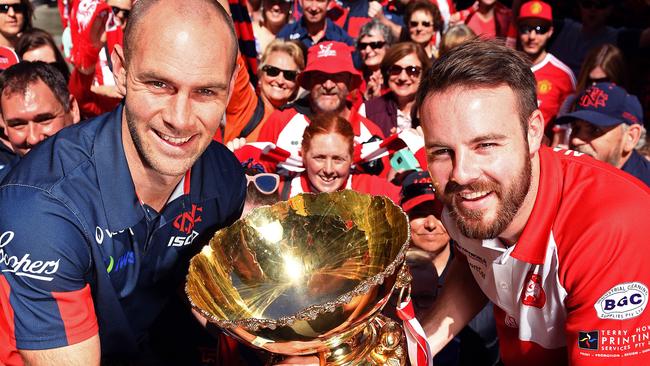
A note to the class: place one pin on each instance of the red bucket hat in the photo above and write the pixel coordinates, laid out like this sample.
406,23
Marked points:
536,10
330,58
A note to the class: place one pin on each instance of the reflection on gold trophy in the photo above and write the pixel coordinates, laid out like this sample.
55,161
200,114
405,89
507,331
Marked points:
308,276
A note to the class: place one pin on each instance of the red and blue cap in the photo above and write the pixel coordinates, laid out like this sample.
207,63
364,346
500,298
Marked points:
605,104
417,188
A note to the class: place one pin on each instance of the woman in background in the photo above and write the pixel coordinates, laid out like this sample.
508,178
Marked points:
373,41
38,45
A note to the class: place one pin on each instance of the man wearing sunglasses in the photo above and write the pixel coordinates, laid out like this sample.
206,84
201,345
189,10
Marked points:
15,17
555,80
121,10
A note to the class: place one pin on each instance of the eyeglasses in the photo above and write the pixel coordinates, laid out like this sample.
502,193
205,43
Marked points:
425,24
412,71
290,75
590,4
373,45
266,183
117,10
539,29
18,8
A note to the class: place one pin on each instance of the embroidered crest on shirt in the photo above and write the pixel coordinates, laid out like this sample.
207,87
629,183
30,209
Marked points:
544,86
533,293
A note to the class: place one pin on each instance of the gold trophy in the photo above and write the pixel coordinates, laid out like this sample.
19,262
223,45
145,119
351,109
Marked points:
309,276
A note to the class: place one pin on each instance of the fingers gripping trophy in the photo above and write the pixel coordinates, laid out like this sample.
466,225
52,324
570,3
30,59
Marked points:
309,276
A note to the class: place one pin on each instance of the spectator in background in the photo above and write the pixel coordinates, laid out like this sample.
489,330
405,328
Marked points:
607,124
280,65
275,15
15,18
603,63
555,81
38,45
329,78
573,40
424,26
455,35
314,26
327,151
390,14
121,11
35,104
490,19
373,41
402,69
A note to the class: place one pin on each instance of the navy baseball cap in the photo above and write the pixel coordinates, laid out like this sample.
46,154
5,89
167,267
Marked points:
417,188
605,104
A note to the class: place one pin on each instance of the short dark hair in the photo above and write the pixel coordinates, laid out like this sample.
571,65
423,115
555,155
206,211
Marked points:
35,38
142,7
18,77
481,63
429,7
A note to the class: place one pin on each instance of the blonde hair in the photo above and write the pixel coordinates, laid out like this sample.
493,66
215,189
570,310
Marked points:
288,47
454,36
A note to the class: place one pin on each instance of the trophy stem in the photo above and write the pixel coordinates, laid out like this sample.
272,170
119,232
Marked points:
379,342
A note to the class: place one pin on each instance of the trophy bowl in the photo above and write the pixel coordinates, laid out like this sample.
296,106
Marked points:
308,276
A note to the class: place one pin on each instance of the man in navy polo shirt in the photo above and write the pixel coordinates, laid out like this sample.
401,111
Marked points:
314,26
97,222
607,124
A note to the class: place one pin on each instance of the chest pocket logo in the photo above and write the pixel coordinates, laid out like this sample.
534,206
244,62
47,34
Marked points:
533,293
185,223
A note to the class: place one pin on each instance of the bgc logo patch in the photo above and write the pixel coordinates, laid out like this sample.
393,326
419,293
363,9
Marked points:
623,301
185,222
588,340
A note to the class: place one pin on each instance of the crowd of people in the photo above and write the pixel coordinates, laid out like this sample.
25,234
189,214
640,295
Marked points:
158,122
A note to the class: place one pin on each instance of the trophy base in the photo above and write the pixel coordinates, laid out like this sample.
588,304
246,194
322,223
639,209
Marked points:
380,342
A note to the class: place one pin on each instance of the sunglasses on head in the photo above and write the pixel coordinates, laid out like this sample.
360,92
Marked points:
373,45
18,8
117,10
266,183
412,71
590,4
425,24
539,29
290,75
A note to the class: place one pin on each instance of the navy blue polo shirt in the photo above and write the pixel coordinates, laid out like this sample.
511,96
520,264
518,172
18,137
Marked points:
638,166
8,159
74,235
298,32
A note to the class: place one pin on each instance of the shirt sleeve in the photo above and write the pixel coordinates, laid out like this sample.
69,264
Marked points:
45,263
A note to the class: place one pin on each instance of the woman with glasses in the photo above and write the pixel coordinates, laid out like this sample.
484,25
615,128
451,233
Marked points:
402,70
372,43
424,24
327,151
15,18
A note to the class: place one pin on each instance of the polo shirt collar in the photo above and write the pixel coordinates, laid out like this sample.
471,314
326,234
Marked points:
117,190
532,244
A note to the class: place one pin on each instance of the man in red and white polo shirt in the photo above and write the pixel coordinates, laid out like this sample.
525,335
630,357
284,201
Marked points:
552,238
555,80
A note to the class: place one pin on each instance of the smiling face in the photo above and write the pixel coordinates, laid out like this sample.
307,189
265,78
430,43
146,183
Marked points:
328,91
328,162
479,157
404,85
314,11
427,231
32,116
277,89
276,12
12,21
372,57
177,85
420,33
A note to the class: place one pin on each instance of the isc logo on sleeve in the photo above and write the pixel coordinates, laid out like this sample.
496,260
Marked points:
623,301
